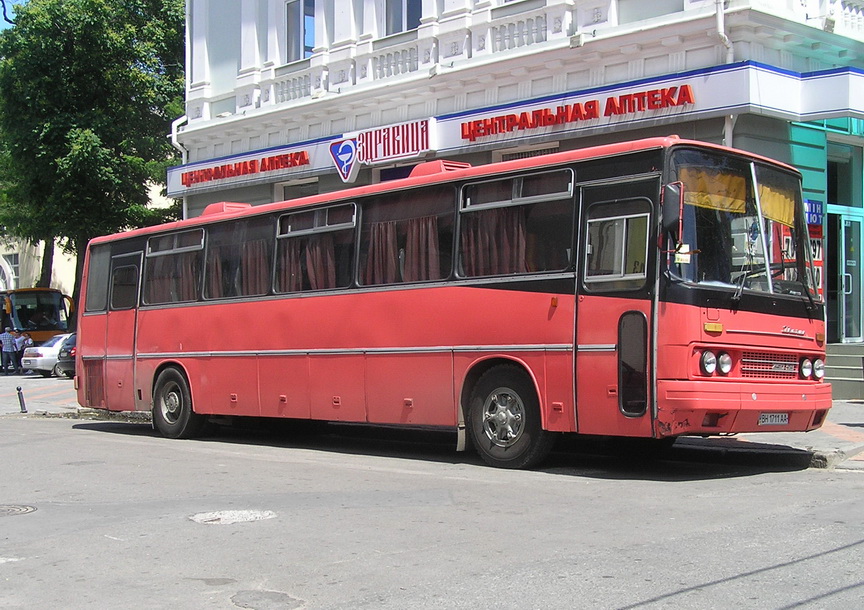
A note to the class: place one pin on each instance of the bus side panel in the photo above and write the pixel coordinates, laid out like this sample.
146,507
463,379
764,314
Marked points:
337,387
410,389
119,368
230,385
284,386
92,330
597,363
559,392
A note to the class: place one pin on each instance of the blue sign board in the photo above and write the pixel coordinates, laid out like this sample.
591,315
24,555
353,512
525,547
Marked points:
813,209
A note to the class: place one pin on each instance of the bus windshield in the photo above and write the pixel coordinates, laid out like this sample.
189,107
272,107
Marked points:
741,226
38,310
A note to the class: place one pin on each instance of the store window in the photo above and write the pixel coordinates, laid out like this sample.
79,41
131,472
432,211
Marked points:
300,29
844,164
297,189
402,15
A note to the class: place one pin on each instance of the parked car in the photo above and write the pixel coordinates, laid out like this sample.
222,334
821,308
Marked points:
42,359
66,357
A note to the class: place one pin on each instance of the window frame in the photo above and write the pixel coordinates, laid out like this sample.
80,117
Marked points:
601,283
407,10
151,255
317,228
297,35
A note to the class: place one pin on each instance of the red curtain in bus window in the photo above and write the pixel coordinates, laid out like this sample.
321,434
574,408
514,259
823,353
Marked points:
320,262
188,268
382,262
422,260
158,289
214,272
289,274
255,267
493,241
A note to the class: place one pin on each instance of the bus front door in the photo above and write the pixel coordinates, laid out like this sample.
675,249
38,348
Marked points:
613,309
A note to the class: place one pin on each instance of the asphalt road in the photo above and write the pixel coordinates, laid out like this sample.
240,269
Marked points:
97,514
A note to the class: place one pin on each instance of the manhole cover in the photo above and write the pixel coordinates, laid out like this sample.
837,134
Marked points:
227,517
15,509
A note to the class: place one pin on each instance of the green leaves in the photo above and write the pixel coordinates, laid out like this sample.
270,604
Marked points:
88,90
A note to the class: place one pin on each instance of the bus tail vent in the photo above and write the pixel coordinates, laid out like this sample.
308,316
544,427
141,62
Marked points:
439,166
95,389
225,207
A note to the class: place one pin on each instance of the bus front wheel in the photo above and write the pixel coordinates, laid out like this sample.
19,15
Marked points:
504,420
172,406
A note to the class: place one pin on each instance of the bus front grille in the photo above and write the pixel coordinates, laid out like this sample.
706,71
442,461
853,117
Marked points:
767,365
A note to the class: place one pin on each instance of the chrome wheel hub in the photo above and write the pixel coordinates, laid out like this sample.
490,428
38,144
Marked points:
503,417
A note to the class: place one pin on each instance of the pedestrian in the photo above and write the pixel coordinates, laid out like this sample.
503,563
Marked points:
7,357
22,342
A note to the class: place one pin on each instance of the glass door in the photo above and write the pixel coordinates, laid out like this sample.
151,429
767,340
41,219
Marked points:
844,279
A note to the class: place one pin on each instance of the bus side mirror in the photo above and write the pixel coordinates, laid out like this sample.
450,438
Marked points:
673,208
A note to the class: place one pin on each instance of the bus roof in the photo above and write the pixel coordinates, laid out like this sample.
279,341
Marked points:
431,172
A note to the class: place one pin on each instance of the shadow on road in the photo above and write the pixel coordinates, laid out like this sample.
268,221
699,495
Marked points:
687,460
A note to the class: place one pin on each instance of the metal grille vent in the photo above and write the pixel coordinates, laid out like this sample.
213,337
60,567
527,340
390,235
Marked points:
525,154
767,365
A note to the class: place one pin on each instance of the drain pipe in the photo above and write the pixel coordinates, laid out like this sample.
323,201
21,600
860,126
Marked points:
184,155
729,121
175,126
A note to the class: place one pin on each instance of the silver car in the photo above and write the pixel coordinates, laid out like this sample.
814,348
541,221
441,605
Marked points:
43,358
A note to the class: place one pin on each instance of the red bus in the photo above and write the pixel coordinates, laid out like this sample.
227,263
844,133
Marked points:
647,289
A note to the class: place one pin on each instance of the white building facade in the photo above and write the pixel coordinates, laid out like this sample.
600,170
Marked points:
293,97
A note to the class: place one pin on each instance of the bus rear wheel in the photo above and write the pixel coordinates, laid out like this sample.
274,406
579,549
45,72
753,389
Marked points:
172,406
504,420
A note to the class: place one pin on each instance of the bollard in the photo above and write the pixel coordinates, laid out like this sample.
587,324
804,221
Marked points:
21,400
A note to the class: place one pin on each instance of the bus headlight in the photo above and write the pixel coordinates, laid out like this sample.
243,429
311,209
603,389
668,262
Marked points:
818,368
805,368
708,362
724,363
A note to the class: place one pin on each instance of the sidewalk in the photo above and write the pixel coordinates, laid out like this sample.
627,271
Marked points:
839,441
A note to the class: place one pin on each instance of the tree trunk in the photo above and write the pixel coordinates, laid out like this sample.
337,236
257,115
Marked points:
47,264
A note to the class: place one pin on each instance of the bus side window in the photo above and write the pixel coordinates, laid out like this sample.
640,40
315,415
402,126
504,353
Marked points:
315,249
616,251
124,287
517,225
96,295
239,255
407,237
172,273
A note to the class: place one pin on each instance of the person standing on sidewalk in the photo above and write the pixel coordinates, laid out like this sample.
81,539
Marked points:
7,357
22,342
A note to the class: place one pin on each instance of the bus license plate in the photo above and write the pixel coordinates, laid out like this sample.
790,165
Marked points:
773,419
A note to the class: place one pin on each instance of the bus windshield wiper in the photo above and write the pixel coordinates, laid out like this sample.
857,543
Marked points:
739,289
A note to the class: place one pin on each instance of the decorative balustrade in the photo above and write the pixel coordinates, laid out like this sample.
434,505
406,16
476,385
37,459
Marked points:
497,28
395,61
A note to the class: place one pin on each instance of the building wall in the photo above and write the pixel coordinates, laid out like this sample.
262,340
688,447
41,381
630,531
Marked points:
782,79
30,267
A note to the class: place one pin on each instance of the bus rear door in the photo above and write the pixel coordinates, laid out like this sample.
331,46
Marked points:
119,386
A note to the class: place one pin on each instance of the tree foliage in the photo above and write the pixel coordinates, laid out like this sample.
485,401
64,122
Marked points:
88,89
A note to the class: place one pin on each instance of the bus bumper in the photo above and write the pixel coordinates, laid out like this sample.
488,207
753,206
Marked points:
708,408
